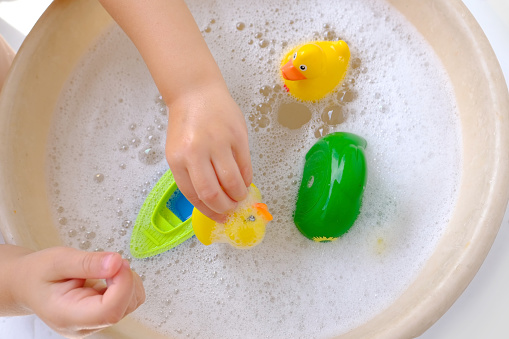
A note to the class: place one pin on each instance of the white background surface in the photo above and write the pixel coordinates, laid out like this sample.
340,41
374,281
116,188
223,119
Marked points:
482,311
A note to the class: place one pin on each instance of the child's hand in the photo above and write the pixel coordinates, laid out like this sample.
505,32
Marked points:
207,145
207,149
53,284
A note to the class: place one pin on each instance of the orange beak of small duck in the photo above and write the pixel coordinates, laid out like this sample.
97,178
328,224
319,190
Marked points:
263,210
290,72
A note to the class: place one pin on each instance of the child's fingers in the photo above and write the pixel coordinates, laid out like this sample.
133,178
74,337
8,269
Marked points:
229,175
138,295
243,159
186,187
220,218
206,184
72,263
139,289
107,309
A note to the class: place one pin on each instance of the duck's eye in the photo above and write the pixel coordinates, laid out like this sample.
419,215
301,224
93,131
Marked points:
303,67
251,218
295,55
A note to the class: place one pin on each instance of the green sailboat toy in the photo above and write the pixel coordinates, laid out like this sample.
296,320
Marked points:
164,220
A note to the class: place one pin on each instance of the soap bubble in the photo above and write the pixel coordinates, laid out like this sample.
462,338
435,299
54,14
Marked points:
150,155
85,245
263,43
135,142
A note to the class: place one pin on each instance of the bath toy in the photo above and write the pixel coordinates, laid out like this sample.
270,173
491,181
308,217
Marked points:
313,70
163,221
244,228
330,194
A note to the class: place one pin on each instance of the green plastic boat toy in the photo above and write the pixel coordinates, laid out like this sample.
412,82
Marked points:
330,194
164,220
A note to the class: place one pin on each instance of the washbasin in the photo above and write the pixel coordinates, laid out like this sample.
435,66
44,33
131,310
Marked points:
65,33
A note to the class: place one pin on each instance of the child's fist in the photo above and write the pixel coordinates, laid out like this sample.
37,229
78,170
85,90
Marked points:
77,293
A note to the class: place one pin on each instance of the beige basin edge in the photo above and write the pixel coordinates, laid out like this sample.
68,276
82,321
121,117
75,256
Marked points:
425,301
39,74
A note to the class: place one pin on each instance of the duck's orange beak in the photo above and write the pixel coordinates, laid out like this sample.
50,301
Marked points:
290,72
263,210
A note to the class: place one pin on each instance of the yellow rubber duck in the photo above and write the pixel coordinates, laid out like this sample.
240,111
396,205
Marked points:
313,70
244,227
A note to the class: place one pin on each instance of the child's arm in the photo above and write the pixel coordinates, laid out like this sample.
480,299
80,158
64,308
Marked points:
52,283
207,144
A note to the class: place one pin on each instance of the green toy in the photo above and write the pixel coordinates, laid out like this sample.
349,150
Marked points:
330,194
164,220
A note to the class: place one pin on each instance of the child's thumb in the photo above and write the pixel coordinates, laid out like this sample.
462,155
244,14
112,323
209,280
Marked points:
87,265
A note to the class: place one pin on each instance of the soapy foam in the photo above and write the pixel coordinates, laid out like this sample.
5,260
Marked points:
107,152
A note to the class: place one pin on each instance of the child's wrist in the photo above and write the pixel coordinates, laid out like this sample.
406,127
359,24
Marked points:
195,92
18,277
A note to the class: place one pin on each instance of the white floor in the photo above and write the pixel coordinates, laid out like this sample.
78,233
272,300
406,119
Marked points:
480,312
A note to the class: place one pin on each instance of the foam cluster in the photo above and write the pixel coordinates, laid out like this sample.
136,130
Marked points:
106,152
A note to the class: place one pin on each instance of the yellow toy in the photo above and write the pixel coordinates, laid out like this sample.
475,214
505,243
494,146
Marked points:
244,228
313,70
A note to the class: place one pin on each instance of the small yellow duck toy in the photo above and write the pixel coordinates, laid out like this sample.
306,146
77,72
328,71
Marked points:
244,227
313,70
